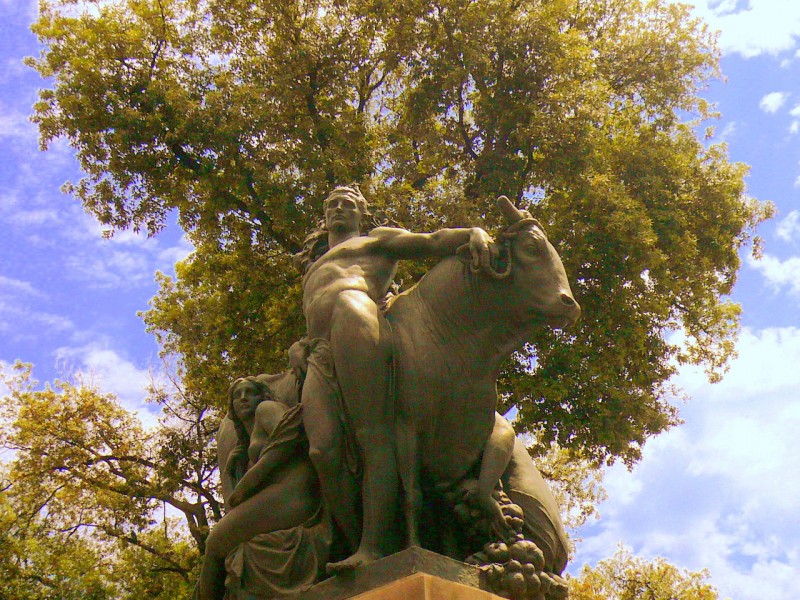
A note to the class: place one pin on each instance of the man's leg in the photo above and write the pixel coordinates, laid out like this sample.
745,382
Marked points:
361,344
339,488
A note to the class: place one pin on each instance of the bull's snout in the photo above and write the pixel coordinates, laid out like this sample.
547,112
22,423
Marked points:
573,311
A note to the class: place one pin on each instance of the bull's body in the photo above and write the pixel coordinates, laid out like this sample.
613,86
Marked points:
447,356
451,332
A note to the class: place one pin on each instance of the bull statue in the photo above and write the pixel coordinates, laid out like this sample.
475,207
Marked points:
452,331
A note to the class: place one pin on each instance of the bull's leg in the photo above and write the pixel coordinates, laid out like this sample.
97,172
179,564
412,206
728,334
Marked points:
361,345
408,467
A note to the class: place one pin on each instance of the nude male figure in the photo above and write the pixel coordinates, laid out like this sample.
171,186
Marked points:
342,291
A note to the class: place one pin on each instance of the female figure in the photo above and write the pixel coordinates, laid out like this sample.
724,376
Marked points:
270,539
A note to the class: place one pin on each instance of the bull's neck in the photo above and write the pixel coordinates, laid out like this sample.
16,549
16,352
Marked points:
487,333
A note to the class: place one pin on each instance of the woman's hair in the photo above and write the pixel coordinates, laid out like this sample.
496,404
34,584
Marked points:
236,465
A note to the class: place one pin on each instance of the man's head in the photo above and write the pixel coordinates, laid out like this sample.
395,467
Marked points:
345,209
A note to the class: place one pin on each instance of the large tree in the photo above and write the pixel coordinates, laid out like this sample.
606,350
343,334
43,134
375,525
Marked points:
627,577
85,477
239,116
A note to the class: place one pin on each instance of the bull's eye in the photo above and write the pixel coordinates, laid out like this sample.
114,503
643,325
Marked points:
535,241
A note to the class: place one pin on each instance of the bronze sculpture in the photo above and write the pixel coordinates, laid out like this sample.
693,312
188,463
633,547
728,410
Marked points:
342,291
402,396
272,538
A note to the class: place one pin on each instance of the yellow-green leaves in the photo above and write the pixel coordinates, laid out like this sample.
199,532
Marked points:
240,115
83,473
626,577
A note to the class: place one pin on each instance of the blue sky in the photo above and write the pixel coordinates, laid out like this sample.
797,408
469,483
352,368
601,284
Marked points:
721,492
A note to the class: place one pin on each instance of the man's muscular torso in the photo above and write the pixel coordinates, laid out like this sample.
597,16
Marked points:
359,265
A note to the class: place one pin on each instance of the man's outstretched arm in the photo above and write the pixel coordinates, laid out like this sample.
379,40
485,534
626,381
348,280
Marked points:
404,244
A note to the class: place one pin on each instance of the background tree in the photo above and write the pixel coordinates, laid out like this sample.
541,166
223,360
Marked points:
625,577
86,477
38,564
240,115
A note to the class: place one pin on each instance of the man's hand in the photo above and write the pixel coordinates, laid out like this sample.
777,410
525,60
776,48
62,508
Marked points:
482,249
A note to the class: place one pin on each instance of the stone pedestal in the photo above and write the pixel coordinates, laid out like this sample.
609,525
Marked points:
422,586
413,574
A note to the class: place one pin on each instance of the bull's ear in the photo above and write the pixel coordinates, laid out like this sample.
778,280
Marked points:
511,213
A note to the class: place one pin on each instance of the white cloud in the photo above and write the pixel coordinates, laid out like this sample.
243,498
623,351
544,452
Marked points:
101,366
728,131
8,283
795,112
15,124
17,306
789,228
719,492
101,268
123,263
753,27
167,257
13,313
58,224
36,217
779,273
13,67
772,102
28,7
794,127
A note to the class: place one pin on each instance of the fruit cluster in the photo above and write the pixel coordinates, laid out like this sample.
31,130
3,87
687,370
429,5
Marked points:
513,566
516,571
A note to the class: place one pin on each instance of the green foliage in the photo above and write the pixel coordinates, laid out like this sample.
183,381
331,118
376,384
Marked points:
37,564
143,574
576,483
240,116
625,577
86,477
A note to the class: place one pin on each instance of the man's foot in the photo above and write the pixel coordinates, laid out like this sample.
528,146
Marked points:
361,557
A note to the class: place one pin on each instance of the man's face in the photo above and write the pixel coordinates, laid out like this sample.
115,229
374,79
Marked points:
342,213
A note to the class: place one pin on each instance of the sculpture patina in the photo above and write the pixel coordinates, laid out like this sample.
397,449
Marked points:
396,414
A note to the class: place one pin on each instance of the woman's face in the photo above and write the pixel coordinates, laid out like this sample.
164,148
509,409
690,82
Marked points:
246,397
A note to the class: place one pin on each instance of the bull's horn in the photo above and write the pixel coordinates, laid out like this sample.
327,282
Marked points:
510,212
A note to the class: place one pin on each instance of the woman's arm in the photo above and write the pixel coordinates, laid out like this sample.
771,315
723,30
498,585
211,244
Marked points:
257,476
268,415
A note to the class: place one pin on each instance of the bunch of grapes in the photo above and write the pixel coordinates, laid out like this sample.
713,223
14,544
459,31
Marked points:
474,523
514,566
516,571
